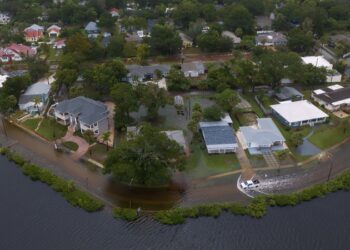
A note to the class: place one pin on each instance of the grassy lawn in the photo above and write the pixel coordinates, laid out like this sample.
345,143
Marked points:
98,152
327,136
71,145
200,164
250,98
51,130
32,123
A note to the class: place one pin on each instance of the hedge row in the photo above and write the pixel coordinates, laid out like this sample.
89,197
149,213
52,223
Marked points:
67,189
258,206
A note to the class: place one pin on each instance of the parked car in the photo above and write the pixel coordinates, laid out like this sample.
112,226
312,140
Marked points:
250,184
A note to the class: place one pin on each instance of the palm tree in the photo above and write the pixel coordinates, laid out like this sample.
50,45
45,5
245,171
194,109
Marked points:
37,101
105,138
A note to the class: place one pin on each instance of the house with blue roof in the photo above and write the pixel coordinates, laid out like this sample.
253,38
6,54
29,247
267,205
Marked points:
35,97
219,137
82,114
264,135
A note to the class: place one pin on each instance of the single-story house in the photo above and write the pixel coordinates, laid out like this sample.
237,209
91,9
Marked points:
219,137
187,41
321,62
288,94
145,73
270,38
92,30
299,113
83,114
178,136
114,12
333,97
263,135
193,69
235,39
53,31
4,18
60,44
33,100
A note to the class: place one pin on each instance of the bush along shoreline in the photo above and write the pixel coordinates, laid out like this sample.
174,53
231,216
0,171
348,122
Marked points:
258,206
67,189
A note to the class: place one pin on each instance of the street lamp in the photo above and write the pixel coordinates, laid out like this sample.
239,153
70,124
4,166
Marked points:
326,156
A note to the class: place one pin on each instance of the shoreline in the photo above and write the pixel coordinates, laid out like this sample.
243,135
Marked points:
257,208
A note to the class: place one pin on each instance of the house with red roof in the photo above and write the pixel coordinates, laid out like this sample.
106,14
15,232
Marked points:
15,53
54,31
114,12
60,44
33,33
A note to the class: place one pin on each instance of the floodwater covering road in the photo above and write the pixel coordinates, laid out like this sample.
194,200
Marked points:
179,193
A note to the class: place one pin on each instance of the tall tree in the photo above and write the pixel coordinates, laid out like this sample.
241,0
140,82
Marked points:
148,158
126,102
227,99
152,97
165,40
176,80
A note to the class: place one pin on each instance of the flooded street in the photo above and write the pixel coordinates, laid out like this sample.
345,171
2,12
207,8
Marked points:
179,193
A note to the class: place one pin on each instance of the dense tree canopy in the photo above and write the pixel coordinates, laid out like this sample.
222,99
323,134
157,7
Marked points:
165,40
148,158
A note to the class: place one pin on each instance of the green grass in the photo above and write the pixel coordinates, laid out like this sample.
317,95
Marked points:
328,136
51,130
98,152
200,164
255,107
31,123
71,145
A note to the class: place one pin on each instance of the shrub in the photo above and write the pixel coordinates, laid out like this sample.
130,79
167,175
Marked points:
16,158
283,200
237,209
125,213
213,210
170,217
257,208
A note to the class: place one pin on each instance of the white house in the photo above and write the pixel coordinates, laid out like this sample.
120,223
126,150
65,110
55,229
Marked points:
54,31
235,39
321,62
263,135
219,137
4,18
193,69
333,97
299,113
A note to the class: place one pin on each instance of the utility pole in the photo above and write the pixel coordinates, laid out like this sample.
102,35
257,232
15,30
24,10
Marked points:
330,170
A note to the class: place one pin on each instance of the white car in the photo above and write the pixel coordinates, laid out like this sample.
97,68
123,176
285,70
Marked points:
249,184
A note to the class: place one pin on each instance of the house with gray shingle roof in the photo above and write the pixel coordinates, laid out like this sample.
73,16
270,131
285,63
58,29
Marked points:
92,30
145,73
82,114
219,137
263,135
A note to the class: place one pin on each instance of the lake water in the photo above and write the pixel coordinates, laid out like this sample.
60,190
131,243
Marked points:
32,216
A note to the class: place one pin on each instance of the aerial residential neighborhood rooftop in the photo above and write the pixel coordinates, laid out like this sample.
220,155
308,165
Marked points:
150,105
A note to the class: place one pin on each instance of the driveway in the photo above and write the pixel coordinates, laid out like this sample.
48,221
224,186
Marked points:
83,145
